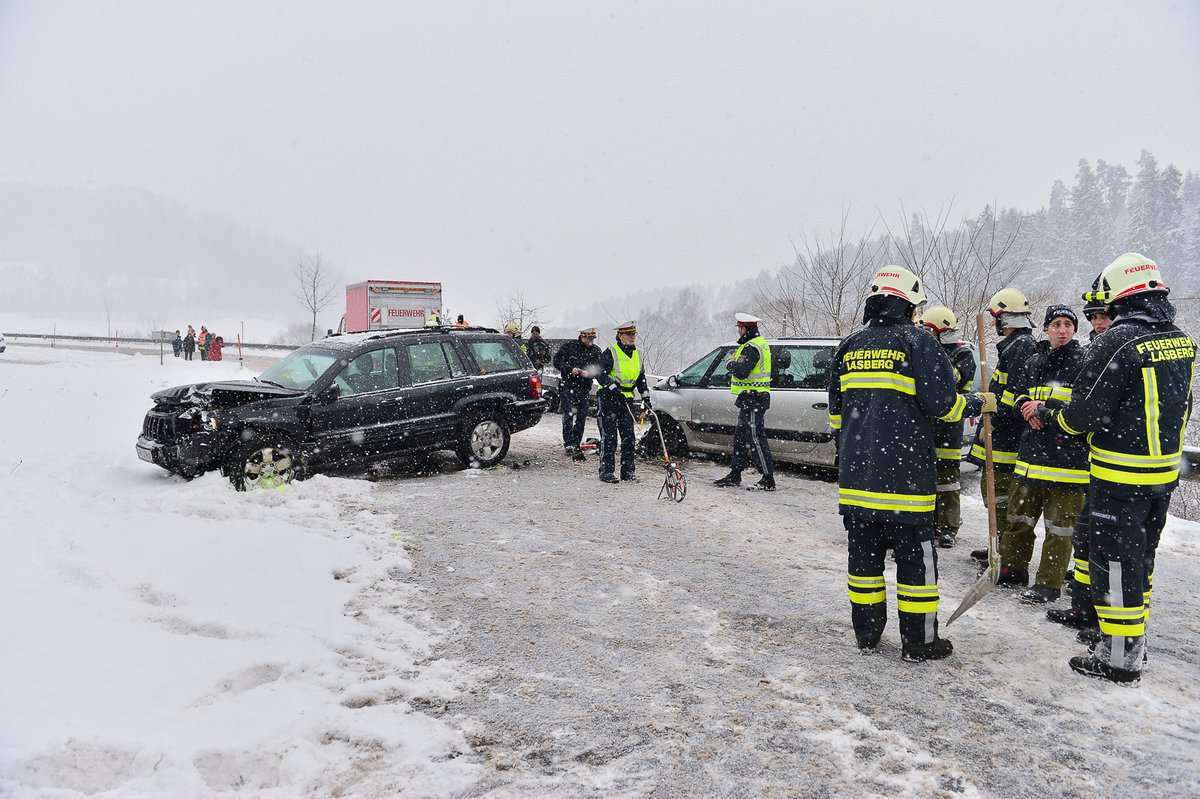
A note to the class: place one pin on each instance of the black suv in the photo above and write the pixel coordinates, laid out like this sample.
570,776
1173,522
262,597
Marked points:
349,400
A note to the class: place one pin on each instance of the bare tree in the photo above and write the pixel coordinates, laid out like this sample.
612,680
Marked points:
317,288
516,307
834,278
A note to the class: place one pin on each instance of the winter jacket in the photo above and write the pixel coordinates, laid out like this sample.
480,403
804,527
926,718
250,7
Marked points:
1133,396
214,348
576,354
609,384
1050,454
948,436
538,351
1012,353
890,382
176,345
747,376
189,343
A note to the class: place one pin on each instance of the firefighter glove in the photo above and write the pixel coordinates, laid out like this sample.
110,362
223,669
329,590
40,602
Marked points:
989,401
645,405
1046,415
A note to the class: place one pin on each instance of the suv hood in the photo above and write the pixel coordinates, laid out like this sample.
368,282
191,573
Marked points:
223,394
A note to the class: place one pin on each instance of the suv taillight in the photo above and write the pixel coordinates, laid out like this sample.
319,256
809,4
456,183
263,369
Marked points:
535,386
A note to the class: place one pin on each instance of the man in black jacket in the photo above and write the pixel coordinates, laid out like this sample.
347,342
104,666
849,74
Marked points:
890,382
948,436
578,364
1011,314
1131,399
536,348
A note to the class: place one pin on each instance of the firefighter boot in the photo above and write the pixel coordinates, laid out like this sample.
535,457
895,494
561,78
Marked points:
1039,595
936,649
1013,577
729,480
1073,617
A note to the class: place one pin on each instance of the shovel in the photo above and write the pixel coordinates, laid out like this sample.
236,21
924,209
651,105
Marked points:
989,577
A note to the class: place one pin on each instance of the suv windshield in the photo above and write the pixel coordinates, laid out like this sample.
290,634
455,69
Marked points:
299,369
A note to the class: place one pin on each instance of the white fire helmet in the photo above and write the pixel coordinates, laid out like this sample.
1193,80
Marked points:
1130,274
898,282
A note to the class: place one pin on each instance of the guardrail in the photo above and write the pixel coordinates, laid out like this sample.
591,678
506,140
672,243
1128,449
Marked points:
117,342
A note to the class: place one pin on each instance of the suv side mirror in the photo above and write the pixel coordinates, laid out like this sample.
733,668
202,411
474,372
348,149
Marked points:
672,382
329,395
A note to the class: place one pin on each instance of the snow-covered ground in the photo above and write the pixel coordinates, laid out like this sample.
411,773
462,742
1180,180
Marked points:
521,632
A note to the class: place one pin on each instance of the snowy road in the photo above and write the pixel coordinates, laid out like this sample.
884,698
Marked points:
624,646
510,632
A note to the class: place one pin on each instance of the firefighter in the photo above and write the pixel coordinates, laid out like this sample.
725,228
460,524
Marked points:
948,436
537,348
1098,317
621,373
578,363
890,383
1132,399
1051,475
1082,614
750,380
1010,314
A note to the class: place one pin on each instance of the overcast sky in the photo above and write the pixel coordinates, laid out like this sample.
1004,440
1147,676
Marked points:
584,151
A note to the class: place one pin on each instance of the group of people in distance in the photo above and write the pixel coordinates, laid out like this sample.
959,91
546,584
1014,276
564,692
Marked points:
1088,437
204,342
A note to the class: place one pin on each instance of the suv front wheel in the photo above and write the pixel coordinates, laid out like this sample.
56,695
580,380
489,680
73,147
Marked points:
268,462
484,440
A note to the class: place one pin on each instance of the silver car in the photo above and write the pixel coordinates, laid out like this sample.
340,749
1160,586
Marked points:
697,411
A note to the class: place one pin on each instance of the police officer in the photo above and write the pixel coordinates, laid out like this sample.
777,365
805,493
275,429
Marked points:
1051,475
750,381
890,383
1010,314
948,436
1131,399
578,363
621,374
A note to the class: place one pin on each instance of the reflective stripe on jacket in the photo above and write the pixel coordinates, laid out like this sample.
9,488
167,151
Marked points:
1013,351
1049,454
1133,396
625,369
759,378
890,382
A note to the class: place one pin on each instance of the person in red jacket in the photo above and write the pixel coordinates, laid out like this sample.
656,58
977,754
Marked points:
214,348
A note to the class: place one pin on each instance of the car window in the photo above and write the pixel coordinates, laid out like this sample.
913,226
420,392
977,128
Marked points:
492,357
695,373
721,377
801,367
376,370
299,369
432,362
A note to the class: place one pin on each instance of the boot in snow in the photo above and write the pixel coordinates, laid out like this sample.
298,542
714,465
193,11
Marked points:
1039,595
729,480
1012,577
946,541
936,649
980,555
609,477
1091,666
1089,635
1072,617
767,483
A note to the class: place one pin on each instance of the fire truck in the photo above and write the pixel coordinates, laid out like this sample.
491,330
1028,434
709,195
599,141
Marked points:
390,304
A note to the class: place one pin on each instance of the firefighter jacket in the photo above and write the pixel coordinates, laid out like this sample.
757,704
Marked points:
1133,398
1050,454
890,382
1012,353
948,436
621,371
538,351
575,354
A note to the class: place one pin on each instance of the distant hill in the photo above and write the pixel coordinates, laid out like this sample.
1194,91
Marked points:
74,250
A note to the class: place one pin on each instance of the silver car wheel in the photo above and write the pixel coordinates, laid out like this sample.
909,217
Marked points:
268,467
487,438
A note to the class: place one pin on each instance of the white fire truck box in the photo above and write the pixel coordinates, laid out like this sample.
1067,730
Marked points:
390,304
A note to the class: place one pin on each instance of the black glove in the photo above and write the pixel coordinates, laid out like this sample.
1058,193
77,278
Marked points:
1046,415
645,405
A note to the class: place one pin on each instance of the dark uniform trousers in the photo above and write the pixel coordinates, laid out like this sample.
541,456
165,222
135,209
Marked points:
573,402
1081,577
616,417
1124,540
750,436
916,579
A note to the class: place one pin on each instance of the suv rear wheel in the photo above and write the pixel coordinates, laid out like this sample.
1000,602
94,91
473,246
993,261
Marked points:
267,462
484,440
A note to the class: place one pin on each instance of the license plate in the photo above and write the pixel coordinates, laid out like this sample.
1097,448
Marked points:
145,455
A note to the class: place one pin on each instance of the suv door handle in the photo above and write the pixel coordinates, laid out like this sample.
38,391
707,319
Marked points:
821,406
